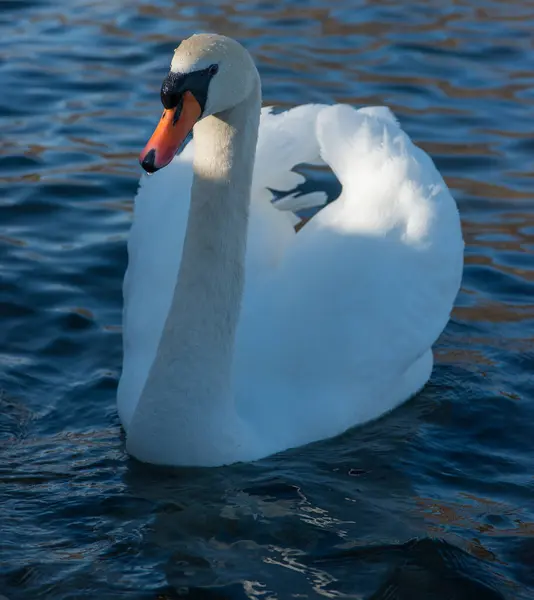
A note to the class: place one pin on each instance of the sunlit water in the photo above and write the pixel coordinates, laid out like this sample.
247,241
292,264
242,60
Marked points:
435,500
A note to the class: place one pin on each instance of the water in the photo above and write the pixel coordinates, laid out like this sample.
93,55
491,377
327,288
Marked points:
435,500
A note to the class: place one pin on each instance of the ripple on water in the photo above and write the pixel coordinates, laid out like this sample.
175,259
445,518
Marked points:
434,499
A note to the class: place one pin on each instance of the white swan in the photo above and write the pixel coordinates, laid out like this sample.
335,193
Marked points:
243,338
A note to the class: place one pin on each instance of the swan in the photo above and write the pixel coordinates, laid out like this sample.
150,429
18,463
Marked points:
241,337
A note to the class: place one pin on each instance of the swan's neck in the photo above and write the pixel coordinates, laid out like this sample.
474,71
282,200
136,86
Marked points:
188,394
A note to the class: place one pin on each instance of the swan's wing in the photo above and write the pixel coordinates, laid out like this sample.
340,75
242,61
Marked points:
286,140
397,231
367,286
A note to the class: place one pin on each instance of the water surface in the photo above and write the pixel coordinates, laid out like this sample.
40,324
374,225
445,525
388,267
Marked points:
433,501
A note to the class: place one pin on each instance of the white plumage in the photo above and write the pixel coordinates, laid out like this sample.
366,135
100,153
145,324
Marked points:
338,320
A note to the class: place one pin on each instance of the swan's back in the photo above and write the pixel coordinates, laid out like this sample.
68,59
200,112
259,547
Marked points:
363,292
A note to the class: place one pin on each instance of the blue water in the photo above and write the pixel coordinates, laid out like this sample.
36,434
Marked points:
435,500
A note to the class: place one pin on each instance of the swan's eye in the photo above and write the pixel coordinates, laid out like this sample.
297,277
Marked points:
212,69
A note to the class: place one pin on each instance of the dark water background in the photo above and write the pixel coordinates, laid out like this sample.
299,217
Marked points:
434,501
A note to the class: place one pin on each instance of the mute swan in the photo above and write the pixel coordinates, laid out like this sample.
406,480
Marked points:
243,338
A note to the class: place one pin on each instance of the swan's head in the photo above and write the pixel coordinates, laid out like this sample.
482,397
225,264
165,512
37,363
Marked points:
209,74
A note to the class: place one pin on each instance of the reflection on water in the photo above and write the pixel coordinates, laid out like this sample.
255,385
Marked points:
435,500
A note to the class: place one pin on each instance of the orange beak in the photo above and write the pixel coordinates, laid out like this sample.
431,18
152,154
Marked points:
170,134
